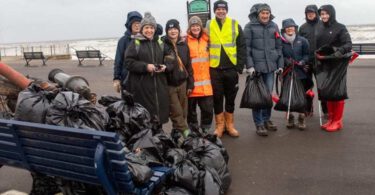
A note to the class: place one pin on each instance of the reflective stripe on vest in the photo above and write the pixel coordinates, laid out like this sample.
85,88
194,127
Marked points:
202,83
195,60
226,38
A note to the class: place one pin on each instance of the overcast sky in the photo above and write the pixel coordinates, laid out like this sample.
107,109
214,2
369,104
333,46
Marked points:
46,20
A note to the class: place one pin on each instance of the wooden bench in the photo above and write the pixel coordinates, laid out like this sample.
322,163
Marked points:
87,156
28,56
364,48
83,54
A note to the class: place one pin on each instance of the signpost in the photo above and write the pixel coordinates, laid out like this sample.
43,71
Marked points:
200,8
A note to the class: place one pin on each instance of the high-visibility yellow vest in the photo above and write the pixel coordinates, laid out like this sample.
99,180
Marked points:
226,38
201,65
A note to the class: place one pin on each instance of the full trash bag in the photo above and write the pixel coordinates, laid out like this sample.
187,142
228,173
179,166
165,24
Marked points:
211,156
70,110
128,119
331,75
33,103
298,98
139,169
256,95
188,176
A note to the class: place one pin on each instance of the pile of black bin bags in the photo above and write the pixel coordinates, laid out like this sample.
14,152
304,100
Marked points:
200,162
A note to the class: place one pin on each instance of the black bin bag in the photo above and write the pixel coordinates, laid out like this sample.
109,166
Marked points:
71,110
256,94
298,97
331,75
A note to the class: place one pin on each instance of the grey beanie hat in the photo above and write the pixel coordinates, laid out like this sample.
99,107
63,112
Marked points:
148,19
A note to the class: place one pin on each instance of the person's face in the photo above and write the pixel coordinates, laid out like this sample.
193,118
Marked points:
311,16
324,16
195,30
136,27
264,16
290,30
148,31
221,13
173,33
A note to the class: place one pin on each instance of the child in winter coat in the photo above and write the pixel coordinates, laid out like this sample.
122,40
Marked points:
296,55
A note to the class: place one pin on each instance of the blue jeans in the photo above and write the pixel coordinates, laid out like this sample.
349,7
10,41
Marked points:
262,115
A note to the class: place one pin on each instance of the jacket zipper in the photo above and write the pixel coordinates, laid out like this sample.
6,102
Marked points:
154,75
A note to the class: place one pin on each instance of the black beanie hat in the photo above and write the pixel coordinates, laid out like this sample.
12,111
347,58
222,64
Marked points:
173,23
220,4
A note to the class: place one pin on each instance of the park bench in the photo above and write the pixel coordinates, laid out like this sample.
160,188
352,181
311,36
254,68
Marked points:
83,54
93,157
364,48
28,56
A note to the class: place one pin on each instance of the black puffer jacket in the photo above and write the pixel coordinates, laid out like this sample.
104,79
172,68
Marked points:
149,89
332,33
309,30
176,76
263,42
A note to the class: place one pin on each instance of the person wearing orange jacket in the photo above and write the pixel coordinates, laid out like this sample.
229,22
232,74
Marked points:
197,40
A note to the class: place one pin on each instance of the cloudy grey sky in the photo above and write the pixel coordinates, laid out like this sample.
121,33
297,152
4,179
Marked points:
46,20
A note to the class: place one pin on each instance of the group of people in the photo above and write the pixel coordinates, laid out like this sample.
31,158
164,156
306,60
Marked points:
172,75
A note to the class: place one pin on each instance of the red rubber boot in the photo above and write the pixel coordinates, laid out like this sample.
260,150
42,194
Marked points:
330,107
338,114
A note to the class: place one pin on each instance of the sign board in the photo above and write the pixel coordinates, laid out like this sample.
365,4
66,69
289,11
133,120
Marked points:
198,6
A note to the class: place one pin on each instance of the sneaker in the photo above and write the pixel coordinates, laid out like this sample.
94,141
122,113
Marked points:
270,126
261,131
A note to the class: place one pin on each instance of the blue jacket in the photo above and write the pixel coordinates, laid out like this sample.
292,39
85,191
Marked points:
119,71
297,51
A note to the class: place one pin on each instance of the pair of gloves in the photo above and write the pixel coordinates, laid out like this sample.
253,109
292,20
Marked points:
251,71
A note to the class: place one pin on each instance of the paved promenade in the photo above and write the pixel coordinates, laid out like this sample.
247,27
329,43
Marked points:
285,162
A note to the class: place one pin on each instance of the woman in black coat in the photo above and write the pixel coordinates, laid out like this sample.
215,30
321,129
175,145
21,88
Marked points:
147,79
333,55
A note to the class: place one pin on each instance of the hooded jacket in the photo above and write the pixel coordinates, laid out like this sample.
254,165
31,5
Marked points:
119,72
149,89
263,42
297,51
309,30
332,33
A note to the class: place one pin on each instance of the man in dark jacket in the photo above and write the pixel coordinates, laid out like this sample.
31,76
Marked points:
264,55
333,40
227,59
132,28
309,31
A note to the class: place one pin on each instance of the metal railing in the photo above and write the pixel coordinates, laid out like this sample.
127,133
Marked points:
364,48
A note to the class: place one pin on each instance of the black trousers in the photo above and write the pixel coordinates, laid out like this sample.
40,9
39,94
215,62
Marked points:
225,85
206,106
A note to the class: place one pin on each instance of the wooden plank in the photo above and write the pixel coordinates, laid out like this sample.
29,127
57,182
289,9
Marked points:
63,148
65,139
78,159
52,163
65,174
58,130
7,137
12,163
10,155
